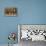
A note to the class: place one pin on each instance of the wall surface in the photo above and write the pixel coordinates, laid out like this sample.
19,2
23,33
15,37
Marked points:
29,12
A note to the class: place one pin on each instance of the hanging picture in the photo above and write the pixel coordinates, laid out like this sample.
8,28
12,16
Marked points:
32,32
11,11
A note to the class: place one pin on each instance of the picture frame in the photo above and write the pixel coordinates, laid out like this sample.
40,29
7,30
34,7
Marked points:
10,11
37,29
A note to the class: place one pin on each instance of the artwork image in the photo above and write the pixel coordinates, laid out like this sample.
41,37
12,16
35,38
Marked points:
33,32
11,11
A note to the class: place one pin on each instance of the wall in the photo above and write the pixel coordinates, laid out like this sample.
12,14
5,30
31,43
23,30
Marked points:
29,12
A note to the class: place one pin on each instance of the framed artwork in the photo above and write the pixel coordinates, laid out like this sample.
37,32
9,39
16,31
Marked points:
10,11
32,32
